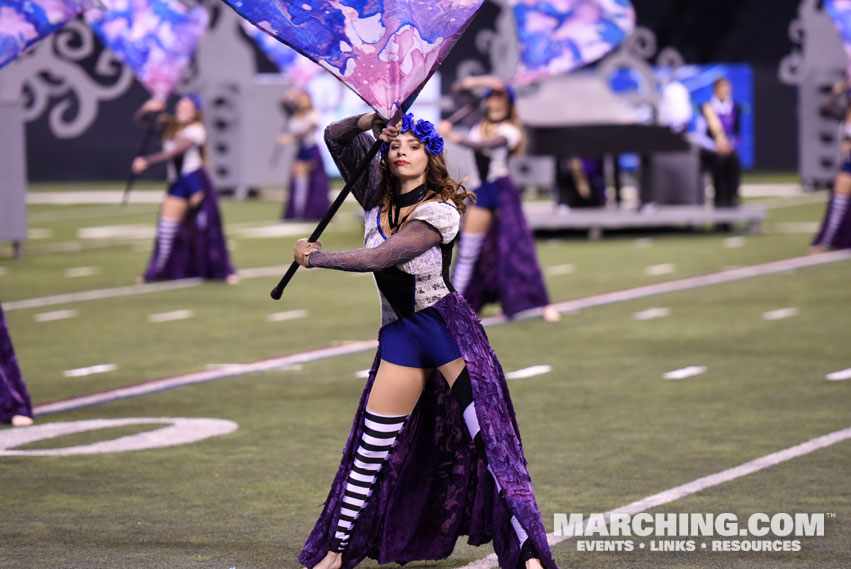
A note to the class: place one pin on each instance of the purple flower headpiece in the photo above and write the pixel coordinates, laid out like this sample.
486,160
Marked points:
423,130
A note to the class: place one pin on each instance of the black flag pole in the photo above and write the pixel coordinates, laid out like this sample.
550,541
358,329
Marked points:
341,197
149,131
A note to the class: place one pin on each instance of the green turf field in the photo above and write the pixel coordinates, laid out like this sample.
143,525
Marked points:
601,430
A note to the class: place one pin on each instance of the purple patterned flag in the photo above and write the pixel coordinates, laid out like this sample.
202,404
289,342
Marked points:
25,22
295,66
384,50
155,38
558,36
840,12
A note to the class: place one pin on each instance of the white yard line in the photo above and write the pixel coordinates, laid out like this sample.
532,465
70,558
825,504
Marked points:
170,316
148,387
698,485
529,372
286,315
734,242
357,347
98,294
55,315
731,275
685,372
780,313
93,197
662,269
651,313
840,375
77,272
90,370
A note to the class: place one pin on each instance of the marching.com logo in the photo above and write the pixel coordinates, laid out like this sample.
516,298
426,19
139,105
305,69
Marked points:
774,532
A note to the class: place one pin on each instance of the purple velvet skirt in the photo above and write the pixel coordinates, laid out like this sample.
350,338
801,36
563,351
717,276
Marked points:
14,399
315,203
199,248
507,269
841,238
433,487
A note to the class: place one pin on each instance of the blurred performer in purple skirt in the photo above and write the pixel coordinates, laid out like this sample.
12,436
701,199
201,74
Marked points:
835,231
15,406
434,452
717,132
308,196
496,254
190,239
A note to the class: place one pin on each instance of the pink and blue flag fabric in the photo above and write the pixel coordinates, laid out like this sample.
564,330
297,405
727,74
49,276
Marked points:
24,22
840,12
384,50
558,36
155,38
292,64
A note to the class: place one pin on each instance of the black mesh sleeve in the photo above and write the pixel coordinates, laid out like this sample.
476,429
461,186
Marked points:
349,145
494,142
411,241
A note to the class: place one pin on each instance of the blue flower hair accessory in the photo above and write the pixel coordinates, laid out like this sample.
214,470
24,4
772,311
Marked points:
508,91
196,100
423,130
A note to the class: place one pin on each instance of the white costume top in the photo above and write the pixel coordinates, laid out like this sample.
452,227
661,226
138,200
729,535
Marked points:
498,156
431,268
192,161
303,127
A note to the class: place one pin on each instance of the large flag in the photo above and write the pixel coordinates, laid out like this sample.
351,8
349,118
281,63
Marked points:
295,66
384,50
840,12
25,22
557,36
155,38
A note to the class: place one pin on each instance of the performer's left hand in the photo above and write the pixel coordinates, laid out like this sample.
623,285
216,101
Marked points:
444,129
139,165
302,249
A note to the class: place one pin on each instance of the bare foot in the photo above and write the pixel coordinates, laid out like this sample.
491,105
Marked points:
232,279
534,564
551,314
333,560
21,421
140,280
816,249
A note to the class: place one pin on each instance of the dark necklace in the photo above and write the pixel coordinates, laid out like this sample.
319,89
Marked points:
404,200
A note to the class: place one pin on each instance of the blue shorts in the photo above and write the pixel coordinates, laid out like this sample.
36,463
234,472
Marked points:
487,196
421,340
305,153
187,185
846,166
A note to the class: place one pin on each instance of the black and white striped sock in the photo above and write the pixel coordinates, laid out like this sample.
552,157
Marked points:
380,433
165,237
468,253
838,208
301,184
462,390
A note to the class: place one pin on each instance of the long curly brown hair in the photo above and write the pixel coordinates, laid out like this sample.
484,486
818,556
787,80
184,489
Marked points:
438,181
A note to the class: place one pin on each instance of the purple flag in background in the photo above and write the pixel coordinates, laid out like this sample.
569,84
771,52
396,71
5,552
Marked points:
840,12
155,38
292,64
384,50
25,22
558,36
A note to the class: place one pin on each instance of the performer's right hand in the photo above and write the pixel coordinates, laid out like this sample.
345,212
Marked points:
153,106
303,248
139,165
